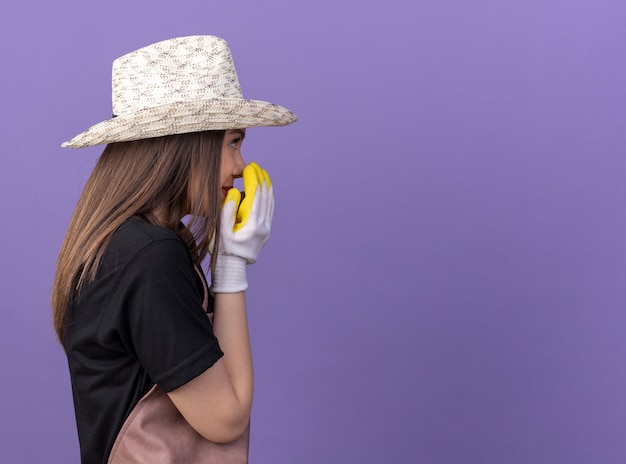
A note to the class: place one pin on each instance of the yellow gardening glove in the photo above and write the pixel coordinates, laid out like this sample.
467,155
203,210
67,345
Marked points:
245,228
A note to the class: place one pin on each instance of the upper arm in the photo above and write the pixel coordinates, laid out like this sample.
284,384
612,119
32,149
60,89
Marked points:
156,311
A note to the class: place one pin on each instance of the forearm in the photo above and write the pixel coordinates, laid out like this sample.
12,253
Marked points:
230,325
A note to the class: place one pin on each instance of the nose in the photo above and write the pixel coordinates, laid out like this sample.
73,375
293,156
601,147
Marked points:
239,164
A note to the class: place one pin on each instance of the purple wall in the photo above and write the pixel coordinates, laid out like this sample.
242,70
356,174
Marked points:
445,279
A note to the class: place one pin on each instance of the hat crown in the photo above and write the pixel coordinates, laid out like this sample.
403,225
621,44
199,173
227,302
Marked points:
183,69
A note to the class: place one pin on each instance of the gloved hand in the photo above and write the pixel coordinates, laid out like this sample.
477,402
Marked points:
244,229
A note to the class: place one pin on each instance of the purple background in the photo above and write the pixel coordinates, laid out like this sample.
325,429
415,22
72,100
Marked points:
445,279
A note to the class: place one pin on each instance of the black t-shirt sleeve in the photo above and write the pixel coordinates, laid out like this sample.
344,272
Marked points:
156,311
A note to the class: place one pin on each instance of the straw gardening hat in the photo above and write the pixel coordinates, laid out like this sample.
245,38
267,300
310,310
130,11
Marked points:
186,84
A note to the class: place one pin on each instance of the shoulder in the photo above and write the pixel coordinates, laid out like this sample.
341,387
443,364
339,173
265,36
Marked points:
135,239
138,232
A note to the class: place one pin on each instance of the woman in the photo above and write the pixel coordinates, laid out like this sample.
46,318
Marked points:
160,363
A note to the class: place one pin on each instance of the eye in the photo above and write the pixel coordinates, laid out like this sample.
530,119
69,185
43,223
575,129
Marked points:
235,143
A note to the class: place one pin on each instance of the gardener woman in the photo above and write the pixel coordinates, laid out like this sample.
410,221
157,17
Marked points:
159,358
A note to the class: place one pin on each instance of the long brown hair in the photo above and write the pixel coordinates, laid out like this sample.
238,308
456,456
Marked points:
176,175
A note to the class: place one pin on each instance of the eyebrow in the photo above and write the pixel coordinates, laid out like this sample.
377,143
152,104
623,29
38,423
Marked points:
240,132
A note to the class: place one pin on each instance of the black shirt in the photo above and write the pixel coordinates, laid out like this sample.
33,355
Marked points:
139,323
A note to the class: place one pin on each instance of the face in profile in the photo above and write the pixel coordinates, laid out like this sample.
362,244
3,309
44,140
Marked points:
232,160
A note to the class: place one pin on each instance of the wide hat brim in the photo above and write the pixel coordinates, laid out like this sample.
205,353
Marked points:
183,117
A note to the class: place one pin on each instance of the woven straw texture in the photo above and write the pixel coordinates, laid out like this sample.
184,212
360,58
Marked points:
186,84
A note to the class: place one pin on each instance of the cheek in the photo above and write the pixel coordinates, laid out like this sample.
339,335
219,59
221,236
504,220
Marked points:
226,166
224,175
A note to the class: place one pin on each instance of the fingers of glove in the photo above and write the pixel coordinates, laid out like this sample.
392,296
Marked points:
267,197
251,180
270,213
230,208
266,177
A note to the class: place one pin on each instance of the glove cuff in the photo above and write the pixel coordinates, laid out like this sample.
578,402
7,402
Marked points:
229,275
